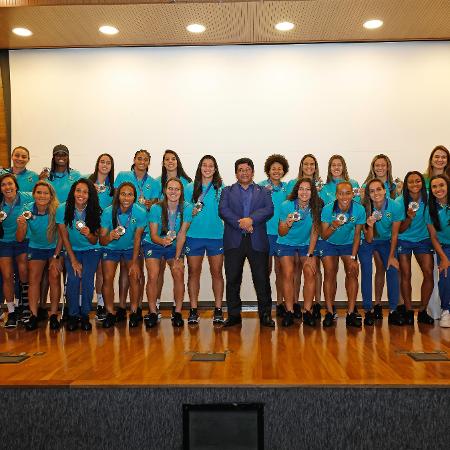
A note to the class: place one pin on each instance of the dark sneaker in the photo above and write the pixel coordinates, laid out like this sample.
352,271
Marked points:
288,319
85,324
316,311
54,322
308,319
25,315
297,311
177,320
424,317
369,318
395,318
280,310
335,314
121,314
378,312
72,323
218,316
12,320
109,321
139,314
409,317
328,320
65,314
133,321
100,314
42,314
193,318
353,320
173,312
32,323
151,320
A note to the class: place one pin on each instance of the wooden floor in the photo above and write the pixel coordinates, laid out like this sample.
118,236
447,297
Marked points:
255,356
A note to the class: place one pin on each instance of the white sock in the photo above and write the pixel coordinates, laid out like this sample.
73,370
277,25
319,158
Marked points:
100,301
80,300
158,302
10,307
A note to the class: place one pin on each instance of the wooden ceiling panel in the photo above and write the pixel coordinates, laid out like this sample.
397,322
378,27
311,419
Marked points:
157,23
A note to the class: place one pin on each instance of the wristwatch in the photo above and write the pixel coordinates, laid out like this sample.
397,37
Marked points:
355,258
310,255
56,256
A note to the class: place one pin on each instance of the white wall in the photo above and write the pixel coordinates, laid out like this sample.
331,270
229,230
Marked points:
352,99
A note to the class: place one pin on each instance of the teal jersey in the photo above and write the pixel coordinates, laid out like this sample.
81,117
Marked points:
105,199
37,228
290,185
391,212
13,211
279,195
25,179
62,182
134,218
356,215
160,195
207,223
145,187
417,230
154,216
300,232
444,221
77,240
328,191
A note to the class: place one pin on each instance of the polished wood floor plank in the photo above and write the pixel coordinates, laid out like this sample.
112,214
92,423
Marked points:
255,356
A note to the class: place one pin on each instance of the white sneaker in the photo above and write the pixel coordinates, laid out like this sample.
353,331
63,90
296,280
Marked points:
444,322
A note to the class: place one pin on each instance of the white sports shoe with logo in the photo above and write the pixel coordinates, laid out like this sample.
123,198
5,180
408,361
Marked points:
444,322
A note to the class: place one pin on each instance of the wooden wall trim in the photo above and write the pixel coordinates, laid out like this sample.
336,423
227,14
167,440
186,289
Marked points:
5,110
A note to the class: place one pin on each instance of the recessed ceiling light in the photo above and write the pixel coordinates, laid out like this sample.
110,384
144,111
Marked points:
196,28
372,24
284,26
108,29
24,32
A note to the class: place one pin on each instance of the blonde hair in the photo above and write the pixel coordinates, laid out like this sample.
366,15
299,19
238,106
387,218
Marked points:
52,206
344,168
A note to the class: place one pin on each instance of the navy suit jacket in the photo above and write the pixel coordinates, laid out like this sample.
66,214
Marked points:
231,210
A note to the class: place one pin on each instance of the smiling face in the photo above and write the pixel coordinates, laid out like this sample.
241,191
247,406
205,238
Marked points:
126,197
304,193
414,184
244,174
439,189
20,158
141,161
61,160
276,172
344,195
377,192
81,195
42,195
380,168
336,168
208,169
170,162
8,188
104,165
439,160
173,191
308,167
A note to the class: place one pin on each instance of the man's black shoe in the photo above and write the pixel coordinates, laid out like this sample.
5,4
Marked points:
232,320
266,321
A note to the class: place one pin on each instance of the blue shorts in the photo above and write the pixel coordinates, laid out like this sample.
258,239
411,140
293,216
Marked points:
158,251
198,247
13,249
418,248
41,254
325,248
117,255
292,250
273,246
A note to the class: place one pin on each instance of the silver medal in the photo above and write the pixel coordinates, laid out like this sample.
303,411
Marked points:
141,200
356,191
101,187
28,215
3,216
171,234
377,215
319,183
46,170
198,206
341,218
120,230
296,216
79,225
414,206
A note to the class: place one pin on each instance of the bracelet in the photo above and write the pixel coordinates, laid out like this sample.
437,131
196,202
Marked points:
310,255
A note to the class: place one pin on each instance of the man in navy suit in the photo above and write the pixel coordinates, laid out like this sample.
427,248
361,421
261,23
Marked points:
245,208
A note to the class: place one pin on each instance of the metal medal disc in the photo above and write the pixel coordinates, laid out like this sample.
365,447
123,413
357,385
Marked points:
101,187
46,170
3,216
79,225
142,200
171,234
319,183
356,191
120,230
342,218
296,216
414,206
198,206
269,187
27,214
377,215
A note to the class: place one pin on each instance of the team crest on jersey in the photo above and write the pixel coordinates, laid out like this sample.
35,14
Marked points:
187,250
352,219
30,179
149,252
389,215
147,186
133,220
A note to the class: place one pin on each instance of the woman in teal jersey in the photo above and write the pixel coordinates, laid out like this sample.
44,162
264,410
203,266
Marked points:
205,235
276,167
438,223
37,222
103,179
11,203
26,179
78,224
61,176
298,229
438,164
381,169
337,172
342,222
169,221
122,225
414,238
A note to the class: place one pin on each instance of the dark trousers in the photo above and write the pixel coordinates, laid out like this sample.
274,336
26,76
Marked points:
259,265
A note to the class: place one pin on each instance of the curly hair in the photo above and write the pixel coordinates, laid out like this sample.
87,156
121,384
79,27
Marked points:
3,177
433,203
165,207
180,170
116,201
51,208
300,167
110,177
389,178
315,202
276,158
344,168
216,180
93,210
405,191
